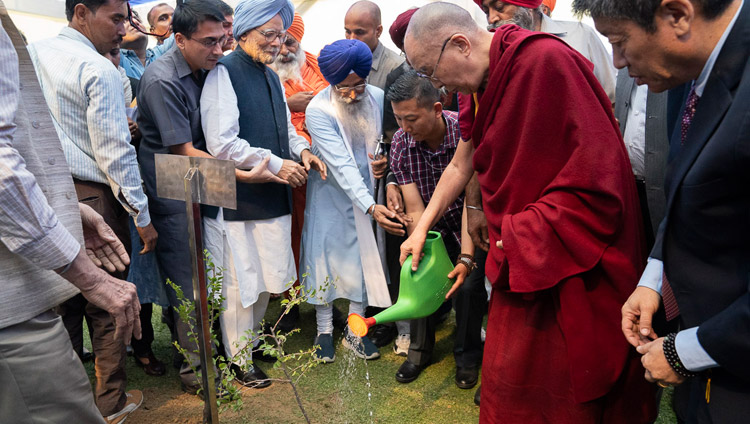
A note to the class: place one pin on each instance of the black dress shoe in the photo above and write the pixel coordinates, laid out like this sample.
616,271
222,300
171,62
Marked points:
263,356
151,366
381,335
408,372
466,377
254,377
289,321
194,389
476,395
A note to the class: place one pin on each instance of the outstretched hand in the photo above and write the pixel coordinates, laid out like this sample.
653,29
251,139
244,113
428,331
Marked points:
102,245
310,161
259,174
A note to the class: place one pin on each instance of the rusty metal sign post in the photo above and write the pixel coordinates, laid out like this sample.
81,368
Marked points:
199,181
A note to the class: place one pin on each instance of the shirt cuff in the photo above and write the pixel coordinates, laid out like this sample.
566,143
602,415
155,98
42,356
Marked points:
391,183
275,164
55,250
691,353
143,218
652,275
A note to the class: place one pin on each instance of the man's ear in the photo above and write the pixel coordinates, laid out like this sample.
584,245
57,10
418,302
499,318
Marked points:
679,15
80,13
437,108
379,30
180,40
463,44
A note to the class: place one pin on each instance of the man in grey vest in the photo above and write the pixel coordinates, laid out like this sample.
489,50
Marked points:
245,119
643,121
42,237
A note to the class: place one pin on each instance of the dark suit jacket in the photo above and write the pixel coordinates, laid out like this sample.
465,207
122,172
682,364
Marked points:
657,141
704,240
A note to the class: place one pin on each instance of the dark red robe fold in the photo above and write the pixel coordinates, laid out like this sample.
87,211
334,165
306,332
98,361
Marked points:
558,191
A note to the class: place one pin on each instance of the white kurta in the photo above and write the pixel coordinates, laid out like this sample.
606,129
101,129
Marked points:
255,255
334,244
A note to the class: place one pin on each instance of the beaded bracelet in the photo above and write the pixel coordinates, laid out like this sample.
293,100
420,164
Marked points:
670,352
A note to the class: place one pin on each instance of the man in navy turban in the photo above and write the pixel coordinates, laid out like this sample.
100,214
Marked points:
344,124
245,119
344,57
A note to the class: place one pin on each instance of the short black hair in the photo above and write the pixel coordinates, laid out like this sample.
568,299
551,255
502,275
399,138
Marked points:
411,86
225,8
642,12
93,5
187,16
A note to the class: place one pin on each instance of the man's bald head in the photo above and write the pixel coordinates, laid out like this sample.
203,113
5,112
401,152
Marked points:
362,22
436,21
366,8
442,39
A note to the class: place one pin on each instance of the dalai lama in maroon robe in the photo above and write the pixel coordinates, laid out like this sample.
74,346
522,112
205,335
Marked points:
563,218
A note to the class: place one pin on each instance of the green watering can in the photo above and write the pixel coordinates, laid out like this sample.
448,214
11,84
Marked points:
421,293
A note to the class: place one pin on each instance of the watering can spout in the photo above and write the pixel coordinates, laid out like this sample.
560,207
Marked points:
421,293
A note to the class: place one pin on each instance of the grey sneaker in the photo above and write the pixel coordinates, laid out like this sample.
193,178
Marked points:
401,345
134,400
325,351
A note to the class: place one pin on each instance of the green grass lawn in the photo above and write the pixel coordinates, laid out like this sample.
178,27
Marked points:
331,393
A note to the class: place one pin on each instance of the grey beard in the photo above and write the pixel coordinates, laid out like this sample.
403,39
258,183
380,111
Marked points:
290,70
523,18
357,119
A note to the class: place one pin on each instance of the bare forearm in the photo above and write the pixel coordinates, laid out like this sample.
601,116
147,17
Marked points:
467,246
473,194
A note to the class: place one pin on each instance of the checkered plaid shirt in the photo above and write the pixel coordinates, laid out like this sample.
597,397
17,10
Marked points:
414,162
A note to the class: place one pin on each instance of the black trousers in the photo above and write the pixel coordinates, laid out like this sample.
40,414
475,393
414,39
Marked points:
470,303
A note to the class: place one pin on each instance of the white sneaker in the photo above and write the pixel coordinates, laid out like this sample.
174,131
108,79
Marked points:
483,335
134,400
401,345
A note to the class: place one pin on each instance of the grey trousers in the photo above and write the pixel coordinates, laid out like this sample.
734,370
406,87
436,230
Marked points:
41,378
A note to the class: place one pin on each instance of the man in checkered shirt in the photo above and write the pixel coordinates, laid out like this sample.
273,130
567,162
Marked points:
421,150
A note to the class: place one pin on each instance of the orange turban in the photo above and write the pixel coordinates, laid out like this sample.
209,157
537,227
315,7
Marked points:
550,4
297,30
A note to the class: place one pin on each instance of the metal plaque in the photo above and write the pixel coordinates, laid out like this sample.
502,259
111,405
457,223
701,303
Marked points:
214,185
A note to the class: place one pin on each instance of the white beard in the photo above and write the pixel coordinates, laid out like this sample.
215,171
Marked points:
357,119
290,70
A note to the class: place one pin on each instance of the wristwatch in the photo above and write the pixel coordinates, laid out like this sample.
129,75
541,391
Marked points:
468,261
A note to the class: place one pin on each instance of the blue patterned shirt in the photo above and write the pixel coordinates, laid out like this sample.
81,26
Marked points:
85,97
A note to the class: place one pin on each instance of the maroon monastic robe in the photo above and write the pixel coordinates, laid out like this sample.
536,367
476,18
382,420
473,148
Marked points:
558,191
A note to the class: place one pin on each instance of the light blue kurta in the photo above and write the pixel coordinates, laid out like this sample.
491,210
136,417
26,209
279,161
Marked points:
329,238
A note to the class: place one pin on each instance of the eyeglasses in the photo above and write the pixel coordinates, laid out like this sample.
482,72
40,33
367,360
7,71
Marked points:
434,68
359,88
272,34
211,42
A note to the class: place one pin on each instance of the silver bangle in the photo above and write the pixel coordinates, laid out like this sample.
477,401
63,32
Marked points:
476,208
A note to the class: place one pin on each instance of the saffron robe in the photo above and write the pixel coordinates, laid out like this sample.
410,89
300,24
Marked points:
558,191
312,80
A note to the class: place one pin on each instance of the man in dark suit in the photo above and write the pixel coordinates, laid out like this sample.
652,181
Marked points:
701,48
642,115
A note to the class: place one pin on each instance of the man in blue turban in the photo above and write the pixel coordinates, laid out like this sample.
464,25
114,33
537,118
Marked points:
251,14
245,119
338,244
343,57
